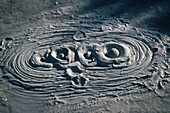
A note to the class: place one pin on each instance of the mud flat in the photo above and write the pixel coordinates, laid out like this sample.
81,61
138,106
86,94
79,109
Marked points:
80,62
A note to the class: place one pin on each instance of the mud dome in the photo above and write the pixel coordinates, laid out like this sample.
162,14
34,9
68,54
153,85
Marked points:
96,57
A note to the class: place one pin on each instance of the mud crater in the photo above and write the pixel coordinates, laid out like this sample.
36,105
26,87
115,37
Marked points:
77,58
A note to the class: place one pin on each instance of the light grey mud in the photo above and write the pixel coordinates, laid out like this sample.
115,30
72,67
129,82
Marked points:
71,62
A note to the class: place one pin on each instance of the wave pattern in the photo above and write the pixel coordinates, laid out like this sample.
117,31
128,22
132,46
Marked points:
87,58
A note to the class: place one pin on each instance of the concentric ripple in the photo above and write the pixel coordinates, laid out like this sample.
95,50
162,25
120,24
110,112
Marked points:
85,58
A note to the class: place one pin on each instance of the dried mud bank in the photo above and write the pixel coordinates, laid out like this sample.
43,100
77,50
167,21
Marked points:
69,62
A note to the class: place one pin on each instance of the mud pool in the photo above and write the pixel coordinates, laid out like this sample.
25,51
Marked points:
80,63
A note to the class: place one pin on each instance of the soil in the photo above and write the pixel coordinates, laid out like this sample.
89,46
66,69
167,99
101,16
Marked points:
84,56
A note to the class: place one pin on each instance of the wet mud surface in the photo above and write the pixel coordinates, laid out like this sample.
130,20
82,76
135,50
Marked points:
66,62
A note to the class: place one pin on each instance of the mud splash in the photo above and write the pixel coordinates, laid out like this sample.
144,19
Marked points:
94,57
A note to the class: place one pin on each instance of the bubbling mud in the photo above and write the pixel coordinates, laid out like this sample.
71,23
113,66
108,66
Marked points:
83,58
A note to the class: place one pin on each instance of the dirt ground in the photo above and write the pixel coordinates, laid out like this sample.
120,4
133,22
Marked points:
22,19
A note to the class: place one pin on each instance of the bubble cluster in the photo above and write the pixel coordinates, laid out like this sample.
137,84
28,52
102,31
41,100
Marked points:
84,58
